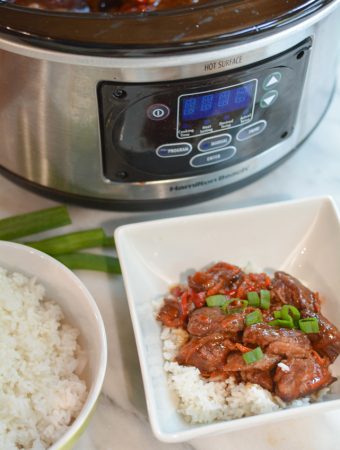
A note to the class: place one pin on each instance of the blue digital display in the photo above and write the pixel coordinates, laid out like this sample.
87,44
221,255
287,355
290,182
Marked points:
214,103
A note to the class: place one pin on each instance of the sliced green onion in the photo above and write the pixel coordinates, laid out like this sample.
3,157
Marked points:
90,261
71,242
282,323
277,314
243,303
30,223
234,310
253,355
264,299
240,305
290,310
227,303
309,325
253,299
254,317
216,300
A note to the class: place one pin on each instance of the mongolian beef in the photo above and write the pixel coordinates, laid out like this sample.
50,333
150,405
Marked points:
109,6
257,329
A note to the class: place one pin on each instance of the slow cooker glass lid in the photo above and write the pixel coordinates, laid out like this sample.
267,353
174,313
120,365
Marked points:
111,6
186,26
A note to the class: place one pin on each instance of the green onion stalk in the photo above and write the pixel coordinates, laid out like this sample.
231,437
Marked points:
34,222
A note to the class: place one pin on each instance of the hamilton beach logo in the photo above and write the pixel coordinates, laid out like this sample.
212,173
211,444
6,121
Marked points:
223,63
208,182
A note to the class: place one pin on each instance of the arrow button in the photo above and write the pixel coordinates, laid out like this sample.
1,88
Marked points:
268,98
272,80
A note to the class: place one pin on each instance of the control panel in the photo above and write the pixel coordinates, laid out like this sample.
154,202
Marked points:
155,131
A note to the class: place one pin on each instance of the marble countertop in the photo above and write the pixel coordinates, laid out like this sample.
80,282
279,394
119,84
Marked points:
120,421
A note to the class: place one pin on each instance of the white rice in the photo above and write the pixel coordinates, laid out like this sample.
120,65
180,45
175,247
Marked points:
40,391
202,401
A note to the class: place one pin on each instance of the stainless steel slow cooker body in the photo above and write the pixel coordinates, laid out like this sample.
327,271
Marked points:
51,122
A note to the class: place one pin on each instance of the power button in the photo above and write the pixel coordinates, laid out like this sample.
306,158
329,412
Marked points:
158,111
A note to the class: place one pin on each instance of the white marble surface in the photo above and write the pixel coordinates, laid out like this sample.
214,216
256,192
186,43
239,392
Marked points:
120,421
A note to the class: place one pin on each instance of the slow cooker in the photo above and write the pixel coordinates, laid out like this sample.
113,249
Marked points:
159,108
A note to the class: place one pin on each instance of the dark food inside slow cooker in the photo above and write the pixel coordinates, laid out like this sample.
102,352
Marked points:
120,6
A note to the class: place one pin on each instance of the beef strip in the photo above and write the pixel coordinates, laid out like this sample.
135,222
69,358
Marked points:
327,341
235,363
288,290
259,372
207,353
208,320
277,341
221,276
289,349
262,377
171,315
304,377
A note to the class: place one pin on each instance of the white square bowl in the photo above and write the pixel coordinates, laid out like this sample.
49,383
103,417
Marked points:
301,237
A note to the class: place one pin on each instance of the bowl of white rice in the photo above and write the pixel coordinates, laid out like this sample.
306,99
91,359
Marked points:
53,351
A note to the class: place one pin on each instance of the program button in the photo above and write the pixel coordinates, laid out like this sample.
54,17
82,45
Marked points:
174,150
